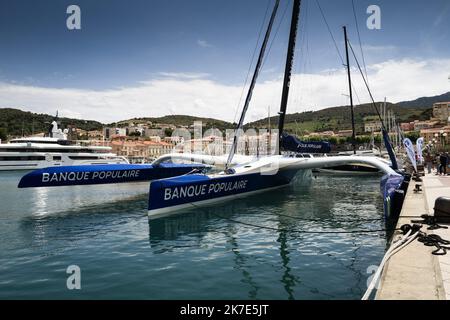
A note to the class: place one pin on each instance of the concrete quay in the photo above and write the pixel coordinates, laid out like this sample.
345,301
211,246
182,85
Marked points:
414,273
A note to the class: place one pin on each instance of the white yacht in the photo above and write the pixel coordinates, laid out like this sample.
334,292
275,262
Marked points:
41,152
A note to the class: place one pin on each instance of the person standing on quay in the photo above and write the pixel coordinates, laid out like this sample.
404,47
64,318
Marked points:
443,159
428,162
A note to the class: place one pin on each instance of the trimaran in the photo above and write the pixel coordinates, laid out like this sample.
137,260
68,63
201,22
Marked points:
176,186
265,173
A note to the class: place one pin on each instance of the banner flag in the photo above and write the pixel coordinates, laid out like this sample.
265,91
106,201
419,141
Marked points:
410,151
419,146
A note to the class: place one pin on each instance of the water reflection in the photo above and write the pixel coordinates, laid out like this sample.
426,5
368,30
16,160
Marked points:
59,200
71,226
248,248
281,212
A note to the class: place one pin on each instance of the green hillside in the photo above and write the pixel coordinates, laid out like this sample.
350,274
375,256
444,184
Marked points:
177,120
425,102
339,118
14,122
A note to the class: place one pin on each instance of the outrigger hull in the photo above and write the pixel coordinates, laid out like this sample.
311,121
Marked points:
103,174
393,190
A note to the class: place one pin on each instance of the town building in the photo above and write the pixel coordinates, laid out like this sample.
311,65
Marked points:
321,134
138,151
441,111
407,126
344,133
436,136
372,126
151,132
173,139
95,134
417,125
108,133
157,149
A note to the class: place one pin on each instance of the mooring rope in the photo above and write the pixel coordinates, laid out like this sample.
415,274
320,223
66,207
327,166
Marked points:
409,234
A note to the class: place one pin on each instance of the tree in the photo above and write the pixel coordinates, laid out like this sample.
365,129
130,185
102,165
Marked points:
333,140
168,132
412,135
3,135
135,134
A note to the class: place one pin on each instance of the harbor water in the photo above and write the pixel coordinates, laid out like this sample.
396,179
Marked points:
251,248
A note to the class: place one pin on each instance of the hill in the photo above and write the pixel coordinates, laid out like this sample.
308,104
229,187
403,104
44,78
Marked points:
425,102
15,122
339,118
177,120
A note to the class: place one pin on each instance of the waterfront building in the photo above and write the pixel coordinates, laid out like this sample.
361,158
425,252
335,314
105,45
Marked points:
173,139
140,151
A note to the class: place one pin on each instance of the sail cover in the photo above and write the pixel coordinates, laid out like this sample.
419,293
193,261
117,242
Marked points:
292,143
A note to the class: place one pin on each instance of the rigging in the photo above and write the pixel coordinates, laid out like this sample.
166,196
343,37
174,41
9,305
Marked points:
251,61
252,84
359,39
387,141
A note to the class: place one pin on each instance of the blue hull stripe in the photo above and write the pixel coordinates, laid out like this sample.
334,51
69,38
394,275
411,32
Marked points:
102,174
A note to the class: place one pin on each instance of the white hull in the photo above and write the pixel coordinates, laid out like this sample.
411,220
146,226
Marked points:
347,173
273,163
37,160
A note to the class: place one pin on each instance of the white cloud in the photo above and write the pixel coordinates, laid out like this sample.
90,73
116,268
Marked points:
197,95
184,75
204,44
371,49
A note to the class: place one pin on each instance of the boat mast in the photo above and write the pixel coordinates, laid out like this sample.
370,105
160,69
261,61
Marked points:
270,133
350,91
288,69
252,84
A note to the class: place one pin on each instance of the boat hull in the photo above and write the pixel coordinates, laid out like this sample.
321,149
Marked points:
41,160
171,195
103,174
393,190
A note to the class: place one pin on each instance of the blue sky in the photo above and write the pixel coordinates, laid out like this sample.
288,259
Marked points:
125,44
